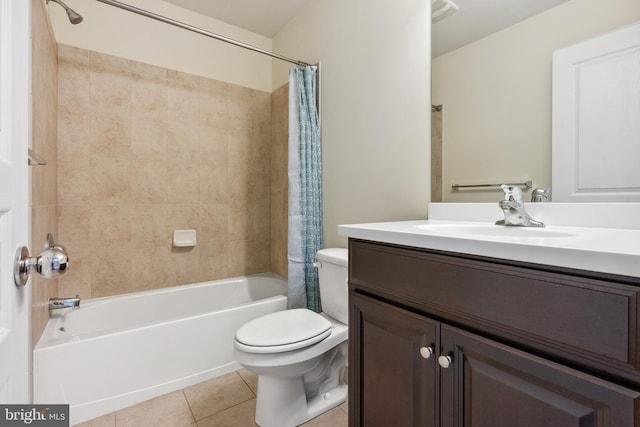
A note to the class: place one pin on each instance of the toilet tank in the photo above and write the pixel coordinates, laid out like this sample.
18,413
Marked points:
332,277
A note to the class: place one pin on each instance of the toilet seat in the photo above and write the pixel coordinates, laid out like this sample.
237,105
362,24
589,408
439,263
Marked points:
282,331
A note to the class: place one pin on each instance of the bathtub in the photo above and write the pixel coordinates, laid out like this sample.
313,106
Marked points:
114,352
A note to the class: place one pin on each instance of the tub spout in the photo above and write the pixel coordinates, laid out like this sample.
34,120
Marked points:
56,303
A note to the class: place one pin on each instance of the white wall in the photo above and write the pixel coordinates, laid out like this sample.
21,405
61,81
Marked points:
375,94
117,32
496,95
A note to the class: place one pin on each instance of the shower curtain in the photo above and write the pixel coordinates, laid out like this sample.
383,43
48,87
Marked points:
305,190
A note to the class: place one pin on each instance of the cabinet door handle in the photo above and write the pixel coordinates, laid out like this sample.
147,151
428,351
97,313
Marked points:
426,352
445,361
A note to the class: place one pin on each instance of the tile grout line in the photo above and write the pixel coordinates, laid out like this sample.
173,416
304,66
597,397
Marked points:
247,384
193,416
196,420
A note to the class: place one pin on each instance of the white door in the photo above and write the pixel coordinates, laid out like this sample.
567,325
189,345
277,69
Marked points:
15,302
596,119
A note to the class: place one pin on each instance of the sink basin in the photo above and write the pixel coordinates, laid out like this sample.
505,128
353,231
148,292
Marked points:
605,250
490,230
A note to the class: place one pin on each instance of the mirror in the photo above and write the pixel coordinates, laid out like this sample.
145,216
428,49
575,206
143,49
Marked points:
493,84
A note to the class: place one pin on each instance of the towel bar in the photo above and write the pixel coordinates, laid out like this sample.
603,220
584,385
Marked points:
526,184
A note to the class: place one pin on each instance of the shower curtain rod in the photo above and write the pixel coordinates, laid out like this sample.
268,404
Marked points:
200,31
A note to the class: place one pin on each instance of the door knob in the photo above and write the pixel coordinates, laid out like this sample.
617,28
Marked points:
445,361
426,352
52,262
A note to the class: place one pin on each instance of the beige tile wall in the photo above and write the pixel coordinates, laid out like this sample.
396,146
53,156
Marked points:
279,179
436,156
143,151
43,178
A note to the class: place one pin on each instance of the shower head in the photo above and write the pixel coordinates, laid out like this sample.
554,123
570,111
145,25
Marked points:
74,17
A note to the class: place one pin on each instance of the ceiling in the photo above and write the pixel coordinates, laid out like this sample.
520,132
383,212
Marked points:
258,16
474,20
477,19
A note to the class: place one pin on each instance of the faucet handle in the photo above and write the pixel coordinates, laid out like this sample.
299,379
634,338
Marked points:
541,194
512,193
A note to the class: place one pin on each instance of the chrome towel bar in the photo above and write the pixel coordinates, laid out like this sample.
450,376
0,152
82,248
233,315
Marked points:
526,184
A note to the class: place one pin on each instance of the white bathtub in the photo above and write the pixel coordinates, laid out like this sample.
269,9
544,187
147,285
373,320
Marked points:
117,351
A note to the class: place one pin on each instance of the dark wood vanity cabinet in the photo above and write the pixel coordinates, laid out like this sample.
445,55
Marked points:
486,323
397,385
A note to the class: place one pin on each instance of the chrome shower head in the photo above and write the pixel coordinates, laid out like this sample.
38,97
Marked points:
74,17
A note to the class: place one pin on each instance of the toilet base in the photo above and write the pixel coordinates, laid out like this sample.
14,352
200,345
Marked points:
286,404
295,386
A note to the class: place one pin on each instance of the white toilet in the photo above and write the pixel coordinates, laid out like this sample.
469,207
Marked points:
300,356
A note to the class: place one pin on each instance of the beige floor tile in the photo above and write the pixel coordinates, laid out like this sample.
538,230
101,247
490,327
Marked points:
250,378
108,420
224,401
216,395
170,410
345,407
242,415
334,418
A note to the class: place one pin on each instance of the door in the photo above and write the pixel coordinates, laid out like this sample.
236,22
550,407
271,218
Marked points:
15,302
393,374
596,131
493,385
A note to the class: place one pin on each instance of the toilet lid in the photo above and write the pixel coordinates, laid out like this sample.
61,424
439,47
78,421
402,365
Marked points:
283,331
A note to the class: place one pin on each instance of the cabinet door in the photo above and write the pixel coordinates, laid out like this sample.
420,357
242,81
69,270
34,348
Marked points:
493,385
391,380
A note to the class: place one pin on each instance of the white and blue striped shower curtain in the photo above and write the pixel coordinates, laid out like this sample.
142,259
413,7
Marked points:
305,189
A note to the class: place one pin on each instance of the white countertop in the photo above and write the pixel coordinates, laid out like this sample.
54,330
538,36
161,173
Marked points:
608,250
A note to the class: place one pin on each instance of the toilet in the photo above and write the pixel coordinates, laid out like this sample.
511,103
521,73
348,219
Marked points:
300,356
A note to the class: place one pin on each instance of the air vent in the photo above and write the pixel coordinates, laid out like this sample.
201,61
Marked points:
441,9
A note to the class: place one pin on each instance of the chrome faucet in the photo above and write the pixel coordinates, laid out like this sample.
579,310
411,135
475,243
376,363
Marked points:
540,195
514,211
56,303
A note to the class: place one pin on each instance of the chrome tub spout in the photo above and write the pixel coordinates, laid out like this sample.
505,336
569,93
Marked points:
57,303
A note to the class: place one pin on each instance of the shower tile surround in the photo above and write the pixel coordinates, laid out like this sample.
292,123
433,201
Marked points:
279,179
43,178
144,150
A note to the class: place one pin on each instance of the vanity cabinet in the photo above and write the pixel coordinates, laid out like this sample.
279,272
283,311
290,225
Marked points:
439,339
396,352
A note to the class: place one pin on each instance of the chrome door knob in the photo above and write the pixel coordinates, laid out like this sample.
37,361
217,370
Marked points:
52,262
445,361
426,352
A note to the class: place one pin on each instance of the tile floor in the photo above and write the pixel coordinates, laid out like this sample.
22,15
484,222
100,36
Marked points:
226,401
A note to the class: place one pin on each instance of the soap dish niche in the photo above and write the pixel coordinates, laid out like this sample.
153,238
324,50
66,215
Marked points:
184,238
